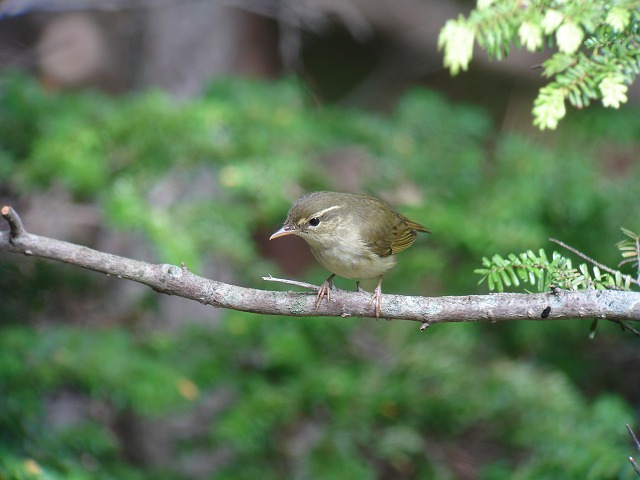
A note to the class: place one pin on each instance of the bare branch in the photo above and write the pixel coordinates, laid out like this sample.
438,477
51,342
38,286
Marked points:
637,444
635,466
174,280
15,223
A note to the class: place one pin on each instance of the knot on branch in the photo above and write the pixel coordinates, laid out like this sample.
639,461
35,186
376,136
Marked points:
16,229
172,270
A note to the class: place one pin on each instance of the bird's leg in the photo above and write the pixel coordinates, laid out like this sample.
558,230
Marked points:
325,290
377,297
359,289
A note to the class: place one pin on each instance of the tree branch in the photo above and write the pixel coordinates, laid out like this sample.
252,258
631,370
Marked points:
174,280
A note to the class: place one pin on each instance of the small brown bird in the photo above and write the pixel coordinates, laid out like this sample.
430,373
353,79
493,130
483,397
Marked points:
353,236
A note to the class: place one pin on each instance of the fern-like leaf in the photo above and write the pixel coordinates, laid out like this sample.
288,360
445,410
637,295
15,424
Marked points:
541,273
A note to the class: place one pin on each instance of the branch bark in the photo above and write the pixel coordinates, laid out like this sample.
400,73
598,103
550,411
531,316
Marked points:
173,280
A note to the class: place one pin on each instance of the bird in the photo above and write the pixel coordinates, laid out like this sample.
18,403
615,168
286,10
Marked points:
352,235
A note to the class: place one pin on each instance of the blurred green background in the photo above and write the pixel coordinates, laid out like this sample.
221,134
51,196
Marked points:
103,379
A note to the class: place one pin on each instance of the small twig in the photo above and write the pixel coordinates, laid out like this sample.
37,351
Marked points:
309,286
638,255
633,437
626,326
637,444
15,224
601,266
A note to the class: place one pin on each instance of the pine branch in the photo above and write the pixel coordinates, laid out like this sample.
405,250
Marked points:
598,53
617,306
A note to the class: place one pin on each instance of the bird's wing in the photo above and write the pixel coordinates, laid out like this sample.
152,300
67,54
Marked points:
399,236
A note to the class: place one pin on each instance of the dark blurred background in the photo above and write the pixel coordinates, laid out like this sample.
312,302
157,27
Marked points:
173,131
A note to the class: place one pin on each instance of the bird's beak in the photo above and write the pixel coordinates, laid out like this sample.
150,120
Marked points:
285,230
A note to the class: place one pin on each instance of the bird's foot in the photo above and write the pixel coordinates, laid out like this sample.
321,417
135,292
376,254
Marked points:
376,298
325,291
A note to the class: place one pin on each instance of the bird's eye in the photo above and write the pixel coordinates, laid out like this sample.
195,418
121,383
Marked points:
314,222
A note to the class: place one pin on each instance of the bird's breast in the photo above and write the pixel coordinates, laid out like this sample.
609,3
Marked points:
351,260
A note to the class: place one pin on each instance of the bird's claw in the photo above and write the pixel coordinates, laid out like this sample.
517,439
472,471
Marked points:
325,291
376,299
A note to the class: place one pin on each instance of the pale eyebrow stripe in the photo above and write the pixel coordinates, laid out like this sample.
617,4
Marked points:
322,212
318,214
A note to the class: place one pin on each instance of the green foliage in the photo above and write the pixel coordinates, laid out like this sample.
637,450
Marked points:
312,391
542,273
630,250
98,365
598,47
311,398
232,159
